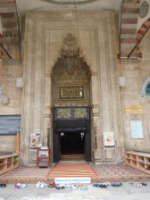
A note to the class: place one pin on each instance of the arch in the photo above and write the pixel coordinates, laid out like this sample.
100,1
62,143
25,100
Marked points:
144,85
71,102
70,64
147,89
71,75
141,32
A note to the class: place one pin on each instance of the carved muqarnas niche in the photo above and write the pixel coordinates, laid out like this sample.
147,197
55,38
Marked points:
70,64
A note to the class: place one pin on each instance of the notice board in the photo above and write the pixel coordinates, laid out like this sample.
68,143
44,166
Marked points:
108,138
10,124
136,129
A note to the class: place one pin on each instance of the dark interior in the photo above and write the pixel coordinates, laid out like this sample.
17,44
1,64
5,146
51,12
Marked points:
71,136
71,143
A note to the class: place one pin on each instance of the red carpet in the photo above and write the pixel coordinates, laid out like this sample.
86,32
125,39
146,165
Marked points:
72,170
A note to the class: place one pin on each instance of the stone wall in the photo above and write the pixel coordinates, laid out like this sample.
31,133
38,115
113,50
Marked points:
135,73
96,35
10,99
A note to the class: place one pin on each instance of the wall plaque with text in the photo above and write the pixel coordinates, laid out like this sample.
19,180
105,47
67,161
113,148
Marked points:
71,92
72,113
10,124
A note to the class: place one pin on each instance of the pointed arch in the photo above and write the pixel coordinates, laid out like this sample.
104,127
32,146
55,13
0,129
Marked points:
70,64
147,89
141,33
71,75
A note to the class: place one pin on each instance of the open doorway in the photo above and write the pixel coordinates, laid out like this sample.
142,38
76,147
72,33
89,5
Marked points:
71,84
72,145
71,133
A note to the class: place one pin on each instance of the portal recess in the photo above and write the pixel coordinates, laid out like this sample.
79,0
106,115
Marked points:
71,135
71,88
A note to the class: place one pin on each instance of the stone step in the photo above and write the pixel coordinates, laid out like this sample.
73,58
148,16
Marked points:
73,157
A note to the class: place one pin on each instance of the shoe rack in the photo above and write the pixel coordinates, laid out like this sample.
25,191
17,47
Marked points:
8,162
138,160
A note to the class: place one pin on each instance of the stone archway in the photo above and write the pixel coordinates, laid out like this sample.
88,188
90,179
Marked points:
47,85
71,88
71,75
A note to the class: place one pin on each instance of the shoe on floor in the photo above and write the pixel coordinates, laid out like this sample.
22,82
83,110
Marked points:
74,186
51,185
116,184
103,185
144,184
20,185
2,185
96,184
41,184
57,186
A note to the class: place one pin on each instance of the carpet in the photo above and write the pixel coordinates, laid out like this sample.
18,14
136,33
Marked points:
72,170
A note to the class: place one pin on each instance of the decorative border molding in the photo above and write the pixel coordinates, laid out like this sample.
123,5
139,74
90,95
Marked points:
143,86
144,8
66,113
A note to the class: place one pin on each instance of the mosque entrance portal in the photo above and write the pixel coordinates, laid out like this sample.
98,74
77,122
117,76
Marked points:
71,136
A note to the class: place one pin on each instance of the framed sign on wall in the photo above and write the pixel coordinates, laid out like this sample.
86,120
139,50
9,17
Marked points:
10,124
35,140
136,129
108,138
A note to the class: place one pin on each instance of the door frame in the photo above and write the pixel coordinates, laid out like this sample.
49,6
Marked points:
63,120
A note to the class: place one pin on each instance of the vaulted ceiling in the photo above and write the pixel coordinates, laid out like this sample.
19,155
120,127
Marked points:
132,15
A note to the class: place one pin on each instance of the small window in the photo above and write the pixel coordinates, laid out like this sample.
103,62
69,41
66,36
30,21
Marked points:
147,90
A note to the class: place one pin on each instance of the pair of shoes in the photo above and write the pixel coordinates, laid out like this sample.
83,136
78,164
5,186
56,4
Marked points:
59,186
138,185
80,184
74,186
20,185
68,185
108,183
144,184
96,184
103,185
41,184
84,188
51,185
130,182
2,185
116,184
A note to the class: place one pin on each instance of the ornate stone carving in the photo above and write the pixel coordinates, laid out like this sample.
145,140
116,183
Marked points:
144,8
80,113
70,65
72,113
64,113
71,92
